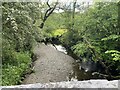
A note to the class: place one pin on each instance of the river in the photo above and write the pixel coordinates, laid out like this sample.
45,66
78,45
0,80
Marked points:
53,64
82,70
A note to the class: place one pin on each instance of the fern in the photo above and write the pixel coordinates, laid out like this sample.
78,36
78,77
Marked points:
111,37
115,54
79,49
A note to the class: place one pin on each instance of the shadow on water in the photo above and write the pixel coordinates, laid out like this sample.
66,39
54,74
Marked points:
84,74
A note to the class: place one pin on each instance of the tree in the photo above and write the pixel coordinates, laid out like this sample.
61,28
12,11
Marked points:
96,32
48,12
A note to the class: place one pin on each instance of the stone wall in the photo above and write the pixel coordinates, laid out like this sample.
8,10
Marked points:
112,85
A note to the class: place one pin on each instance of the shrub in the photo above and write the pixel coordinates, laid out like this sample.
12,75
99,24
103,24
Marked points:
12,72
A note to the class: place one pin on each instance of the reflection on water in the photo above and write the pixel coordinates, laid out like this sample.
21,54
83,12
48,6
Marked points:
80,73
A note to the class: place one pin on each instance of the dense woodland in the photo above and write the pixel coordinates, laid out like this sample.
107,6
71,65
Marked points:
91,33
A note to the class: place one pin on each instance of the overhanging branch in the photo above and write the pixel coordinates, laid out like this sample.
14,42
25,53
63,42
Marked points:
48,12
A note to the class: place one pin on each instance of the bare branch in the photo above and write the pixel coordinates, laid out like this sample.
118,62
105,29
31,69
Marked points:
48,13
48,4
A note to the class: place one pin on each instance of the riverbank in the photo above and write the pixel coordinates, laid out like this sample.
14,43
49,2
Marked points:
51,66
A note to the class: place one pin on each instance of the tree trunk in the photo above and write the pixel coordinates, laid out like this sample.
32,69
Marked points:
48,13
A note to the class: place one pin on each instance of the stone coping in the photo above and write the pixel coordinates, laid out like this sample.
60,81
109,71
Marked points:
71,84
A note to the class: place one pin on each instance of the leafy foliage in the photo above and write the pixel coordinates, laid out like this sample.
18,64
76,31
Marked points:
14,70
115,54
58,32
113,37
93,33
18,36
79,49
97,34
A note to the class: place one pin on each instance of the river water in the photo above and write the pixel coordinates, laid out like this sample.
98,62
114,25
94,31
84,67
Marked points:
81,70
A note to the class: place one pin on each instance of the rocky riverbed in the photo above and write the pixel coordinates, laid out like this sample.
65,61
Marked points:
51,66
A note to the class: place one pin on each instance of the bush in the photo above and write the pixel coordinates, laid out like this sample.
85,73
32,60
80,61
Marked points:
18,36
12,72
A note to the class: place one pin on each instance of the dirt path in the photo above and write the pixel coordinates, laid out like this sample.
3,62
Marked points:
51,66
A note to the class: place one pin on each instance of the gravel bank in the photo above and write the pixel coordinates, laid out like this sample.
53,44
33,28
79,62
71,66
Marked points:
51,66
